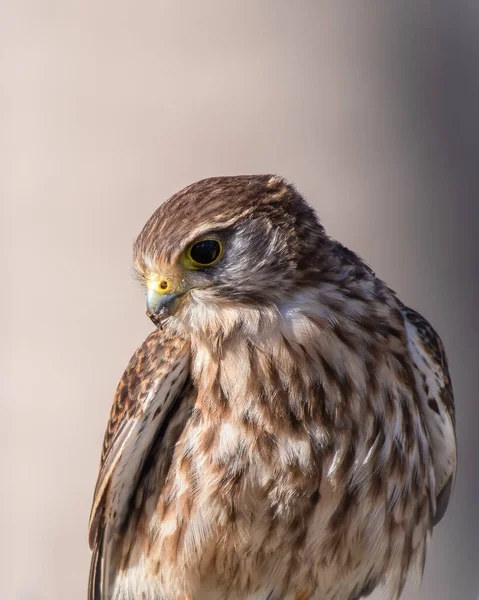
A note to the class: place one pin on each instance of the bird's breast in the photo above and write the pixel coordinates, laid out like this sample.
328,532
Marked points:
286,475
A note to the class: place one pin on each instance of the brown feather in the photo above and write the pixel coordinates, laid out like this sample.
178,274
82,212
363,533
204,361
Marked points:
299,460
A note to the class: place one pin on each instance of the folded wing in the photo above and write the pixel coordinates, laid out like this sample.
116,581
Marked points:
434,390
151,385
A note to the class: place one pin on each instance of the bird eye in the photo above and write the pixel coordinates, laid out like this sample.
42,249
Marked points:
205,253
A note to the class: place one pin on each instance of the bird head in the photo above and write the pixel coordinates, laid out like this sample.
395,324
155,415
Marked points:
226,244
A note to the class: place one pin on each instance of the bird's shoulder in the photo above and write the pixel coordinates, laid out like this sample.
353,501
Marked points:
151,360
427,344
152,384
157,369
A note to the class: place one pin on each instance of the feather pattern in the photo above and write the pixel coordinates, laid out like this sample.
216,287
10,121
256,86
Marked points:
153,382
434,387
289,434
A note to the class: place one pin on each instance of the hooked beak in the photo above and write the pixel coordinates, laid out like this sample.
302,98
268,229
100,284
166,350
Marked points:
159,306
160,298
156,302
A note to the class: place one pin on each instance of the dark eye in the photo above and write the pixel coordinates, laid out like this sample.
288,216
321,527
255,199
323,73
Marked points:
206,252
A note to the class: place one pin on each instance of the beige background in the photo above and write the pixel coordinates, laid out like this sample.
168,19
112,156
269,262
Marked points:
109,107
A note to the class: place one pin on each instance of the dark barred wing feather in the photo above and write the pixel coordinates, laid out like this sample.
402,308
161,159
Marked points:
434,390
152,383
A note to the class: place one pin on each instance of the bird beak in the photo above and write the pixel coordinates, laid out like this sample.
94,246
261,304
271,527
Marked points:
160,298
157,303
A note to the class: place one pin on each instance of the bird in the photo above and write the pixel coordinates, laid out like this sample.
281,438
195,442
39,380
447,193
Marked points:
287,430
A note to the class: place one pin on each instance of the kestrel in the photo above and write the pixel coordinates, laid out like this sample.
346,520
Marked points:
286,432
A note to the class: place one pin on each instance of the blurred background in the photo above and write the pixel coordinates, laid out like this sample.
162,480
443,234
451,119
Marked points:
108,108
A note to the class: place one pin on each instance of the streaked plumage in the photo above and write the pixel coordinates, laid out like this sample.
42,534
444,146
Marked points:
287,432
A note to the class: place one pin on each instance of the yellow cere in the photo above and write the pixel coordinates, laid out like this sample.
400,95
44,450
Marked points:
158,284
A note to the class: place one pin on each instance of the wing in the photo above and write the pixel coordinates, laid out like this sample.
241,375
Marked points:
434,390
150,386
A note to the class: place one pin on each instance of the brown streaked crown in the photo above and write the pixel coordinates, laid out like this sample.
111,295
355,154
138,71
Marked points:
220,202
